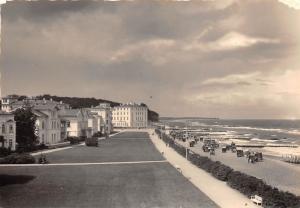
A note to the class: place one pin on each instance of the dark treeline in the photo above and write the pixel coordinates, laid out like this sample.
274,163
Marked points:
78,102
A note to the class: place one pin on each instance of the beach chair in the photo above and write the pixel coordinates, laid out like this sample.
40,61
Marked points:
224,149
233,149
239,153
258,156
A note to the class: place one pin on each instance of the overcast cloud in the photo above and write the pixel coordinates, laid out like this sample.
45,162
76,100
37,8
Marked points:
230,59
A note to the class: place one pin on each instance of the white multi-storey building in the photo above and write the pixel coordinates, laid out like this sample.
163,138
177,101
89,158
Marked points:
7,102
76,122
94,123
130,115
48,123
7,130
104,111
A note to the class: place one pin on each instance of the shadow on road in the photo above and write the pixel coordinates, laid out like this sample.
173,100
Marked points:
14,179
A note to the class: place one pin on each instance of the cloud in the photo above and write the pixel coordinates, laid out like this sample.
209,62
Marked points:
295,4
231,41
206,58
234,40
282,88
153,51
232,79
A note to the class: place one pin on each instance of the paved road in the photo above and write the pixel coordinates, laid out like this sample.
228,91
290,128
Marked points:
98,185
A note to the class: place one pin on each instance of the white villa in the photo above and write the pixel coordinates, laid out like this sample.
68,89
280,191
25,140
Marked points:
130,115
7,130
76,122
48,123
7,102
94,123
104,111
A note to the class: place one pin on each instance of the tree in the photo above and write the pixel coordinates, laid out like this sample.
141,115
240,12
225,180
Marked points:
25,129
2,140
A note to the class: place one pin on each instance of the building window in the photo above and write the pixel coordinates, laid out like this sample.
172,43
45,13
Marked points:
68,124
43,125
3,129
11,129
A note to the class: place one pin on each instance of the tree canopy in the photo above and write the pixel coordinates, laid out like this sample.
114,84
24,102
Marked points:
25,129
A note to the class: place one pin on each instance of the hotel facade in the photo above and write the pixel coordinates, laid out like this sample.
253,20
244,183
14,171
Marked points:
130,115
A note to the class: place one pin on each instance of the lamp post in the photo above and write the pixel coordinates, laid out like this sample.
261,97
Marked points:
186,145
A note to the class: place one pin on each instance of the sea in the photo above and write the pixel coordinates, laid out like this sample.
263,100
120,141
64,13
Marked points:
276,131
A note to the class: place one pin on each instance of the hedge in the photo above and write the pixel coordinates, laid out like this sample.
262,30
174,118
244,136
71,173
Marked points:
18,159
74,140
246,184
4,151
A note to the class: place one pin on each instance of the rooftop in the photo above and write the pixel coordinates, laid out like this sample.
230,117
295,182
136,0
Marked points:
70,112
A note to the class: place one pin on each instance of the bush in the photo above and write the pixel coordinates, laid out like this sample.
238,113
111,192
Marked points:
246,184
42,159
42,146
18,159
73,140
221,171
4,151
97,134
272,197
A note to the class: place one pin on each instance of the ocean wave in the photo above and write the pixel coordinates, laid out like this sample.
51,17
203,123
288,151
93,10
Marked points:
287,131
264,140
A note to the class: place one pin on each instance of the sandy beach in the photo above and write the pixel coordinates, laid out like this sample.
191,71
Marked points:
218,191
270,149
272,170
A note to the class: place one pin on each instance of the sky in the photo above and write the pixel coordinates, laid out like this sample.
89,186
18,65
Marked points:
209,58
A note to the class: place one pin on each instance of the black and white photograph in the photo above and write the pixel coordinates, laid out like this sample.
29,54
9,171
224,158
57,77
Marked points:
150,104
